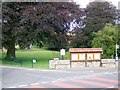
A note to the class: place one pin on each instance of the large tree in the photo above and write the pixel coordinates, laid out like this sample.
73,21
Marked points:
39,23
54,22
98,15
77,38
10,26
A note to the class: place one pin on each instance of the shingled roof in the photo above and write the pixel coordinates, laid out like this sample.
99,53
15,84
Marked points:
85,50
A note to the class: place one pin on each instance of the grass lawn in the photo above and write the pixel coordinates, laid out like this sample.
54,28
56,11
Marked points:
42,56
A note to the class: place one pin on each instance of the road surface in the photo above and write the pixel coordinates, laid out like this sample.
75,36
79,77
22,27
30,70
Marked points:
13,77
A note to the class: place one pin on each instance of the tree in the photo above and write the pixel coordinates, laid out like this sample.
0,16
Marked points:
77,38
98,15
0,26
37,23
54,22
106,39
10,26
118,25
118,40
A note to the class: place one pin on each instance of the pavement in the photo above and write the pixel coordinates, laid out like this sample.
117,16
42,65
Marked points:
17,77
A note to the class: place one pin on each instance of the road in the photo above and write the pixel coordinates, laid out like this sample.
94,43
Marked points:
13,77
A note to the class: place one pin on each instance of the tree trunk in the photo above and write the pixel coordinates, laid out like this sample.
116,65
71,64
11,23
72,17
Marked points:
11,51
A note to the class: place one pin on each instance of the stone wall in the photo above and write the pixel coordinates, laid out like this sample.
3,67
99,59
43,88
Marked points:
109,63
63,64
88,64
59,64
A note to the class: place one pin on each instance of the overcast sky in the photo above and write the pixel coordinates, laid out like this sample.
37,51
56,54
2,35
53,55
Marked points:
83,3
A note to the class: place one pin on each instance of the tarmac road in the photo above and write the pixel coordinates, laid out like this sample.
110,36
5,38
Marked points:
13,77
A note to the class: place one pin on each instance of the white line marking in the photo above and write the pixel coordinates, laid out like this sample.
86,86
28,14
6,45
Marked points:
53,81
30,69
111,87
11,87
20,68
34,84
22,85
62,79
44,82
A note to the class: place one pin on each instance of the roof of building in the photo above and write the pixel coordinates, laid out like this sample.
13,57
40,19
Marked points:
85,50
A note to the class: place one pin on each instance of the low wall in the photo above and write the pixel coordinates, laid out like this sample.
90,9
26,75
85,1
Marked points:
89,64
59,64
109,63
62,64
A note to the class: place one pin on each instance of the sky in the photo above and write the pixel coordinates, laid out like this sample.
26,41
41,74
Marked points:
83,3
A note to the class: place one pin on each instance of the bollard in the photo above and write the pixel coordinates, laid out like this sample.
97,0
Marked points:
33,61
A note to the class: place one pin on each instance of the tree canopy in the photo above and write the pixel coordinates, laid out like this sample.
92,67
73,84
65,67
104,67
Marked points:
98,15
44,23
106,39
54,25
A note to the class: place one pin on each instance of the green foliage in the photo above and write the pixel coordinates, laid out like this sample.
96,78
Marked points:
118,30
51,21
41,55
43,23
98,15
106,39
77,38
40,23
118,40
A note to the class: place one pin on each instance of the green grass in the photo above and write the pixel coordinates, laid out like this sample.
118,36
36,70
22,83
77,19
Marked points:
42,56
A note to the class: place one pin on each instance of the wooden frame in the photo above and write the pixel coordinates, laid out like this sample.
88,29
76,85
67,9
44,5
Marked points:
92,54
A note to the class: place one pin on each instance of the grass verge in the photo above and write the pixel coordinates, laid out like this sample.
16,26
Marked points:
26,56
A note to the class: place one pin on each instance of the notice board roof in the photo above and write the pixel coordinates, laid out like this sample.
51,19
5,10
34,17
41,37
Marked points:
85,50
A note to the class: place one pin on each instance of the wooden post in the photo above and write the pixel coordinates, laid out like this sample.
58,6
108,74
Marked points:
86,60
85,63
101,60
70,61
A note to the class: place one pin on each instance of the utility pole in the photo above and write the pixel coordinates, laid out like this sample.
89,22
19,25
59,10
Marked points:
117,46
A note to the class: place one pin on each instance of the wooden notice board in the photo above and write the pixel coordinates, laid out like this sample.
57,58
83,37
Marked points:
85,54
